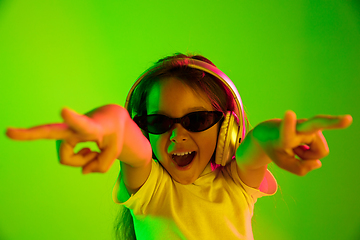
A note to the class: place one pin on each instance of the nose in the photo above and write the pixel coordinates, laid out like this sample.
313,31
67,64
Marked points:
178,133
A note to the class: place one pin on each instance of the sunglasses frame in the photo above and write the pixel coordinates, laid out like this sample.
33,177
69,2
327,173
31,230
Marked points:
142,122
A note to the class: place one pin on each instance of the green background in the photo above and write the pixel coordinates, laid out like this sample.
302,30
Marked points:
299,55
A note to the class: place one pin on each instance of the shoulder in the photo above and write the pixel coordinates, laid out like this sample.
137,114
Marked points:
157,175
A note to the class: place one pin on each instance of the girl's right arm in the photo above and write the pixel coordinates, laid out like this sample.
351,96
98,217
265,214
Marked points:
115,133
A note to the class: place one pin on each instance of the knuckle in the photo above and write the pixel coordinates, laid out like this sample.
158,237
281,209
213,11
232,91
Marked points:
323,153
299,172
63,161
302,171
103,169
326,152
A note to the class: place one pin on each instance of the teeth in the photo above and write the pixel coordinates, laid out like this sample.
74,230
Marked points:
181,154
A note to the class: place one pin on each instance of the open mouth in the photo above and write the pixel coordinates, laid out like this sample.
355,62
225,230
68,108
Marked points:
184,159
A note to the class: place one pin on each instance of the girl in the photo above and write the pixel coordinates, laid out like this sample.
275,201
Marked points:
178,178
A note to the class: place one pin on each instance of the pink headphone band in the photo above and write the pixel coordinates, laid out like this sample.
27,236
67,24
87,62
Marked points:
208,68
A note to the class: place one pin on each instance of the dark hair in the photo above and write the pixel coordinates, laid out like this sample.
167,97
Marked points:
219,95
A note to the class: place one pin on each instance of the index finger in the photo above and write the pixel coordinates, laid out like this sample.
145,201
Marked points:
47,131
322,122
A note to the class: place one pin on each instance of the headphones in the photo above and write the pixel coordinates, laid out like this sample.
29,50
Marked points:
232,130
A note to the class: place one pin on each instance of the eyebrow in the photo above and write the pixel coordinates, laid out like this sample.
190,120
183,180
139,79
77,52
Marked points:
189,110
197,108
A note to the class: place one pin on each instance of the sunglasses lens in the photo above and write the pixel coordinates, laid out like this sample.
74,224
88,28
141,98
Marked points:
194,122
200,121
158,124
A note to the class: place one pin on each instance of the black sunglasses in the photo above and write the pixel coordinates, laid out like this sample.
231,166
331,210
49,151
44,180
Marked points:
193,122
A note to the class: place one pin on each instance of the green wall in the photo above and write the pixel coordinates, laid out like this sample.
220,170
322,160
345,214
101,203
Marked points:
299,55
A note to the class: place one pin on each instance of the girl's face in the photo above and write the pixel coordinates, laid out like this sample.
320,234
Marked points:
175,99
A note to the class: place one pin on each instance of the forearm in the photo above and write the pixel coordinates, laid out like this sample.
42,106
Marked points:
136,149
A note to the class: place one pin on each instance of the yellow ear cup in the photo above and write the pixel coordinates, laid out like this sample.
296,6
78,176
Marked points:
229,139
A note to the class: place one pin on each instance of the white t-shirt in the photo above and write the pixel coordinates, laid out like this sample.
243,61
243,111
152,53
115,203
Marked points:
218,205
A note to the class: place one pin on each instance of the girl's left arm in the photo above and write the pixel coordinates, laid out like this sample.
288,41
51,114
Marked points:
295,145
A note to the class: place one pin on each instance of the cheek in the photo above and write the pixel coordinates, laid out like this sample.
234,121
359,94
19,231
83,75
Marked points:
208,142
157,143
